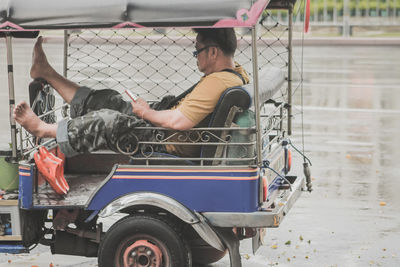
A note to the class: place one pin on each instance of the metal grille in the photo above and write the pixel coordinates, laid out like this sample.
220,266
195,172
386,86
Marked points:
273,47
155,63
150,63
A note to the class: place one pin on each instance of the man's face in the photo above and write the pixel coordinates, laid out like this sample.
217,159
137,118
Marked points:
202,62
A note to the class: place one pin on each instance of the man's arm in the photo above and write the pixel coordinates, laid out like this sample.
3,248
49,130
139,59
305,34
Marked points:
172,119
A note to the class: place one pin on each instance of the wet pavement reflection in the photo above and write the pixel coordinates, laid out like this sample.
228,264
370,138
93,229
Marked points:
351,125
352,128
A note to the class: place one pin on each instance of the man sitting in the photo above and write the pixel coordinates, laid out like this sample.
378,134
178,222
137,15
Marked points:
100,117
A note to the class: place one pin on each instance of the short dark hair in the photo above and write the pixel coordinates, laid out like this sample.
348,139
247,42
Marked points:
224,38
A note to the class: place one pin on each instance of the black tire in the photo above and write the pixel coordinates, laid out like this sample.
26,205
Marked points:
204,255
202,252
142,234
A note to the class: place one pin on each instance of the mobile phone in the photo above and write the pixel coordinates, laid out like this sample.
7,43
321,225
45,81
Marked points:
131,95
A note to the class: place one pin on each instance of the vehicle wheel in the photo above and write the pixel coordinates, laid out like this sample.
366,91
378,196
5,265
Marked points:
144,240
203,253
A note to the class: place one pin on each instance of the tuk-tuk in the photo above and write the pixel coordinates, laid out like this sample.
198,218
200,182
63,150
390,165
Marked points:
172,211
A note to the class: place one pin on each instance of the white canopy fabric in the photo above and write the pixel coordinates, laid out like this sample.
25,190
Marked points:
23,15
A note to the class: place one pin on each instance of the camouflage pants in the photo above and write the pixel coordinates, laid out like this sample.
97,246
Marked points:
99,119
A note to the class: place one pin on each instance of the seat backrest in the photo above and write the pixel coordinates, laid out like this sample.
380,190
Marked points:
230,103
236,100
271,80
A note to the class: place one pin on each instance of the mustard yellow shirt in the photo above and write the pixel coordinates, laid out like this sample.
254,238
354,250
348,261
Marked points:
202,101
204,97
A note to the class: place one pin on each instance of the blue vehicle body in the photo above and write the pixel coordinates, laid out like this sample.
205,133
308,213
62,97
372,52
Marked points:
224,190
199,189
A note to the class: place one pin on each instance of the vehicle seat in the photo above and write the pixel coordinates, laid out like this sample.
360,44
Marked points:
236,106
230,103
233,101
233,105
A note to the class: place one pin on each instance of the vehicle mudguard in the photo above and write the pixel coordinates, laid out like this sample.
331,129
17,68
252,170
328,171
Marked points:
196,220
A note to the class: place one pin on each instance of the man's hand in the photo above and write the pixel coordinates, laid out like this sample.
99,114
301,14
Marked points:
140,107
173,119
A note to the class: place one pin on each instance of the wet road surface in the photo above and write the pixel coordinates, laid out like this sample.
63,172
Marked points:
351,125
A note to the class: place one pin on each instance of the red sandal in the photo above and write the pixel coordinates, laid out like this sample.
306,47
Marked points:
60,170
50,169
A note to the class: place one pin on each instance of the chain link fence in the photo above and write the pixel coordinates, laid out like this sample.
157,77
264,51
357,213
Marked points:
155,63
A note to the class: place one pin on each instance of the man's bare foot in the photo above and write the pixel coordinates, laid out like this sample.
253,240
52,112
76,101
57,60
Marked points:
42,69
40,66
25,116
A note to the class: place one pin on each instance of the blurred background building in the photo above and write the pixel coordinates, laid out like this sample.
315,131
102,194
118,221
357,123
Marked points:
358,18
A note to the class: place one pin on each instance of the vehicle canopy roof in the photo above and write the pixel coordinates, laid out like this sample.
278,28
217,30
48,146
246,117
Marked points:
23,15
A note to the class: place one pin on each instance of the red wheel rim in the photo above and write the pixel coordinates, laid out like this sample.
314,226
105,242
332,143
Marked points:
142,252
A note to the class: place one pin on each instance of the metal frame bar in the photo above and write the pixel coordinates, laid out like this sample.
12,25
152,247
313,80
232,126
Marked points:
11,96
275,140
279,107
256,94
37,147
196,159
257,107
290,57
64,111
197,143
274,127
247,129
65,60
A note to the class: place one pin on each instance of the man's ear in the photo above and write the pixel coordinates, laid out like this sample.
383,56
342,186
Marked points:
214,52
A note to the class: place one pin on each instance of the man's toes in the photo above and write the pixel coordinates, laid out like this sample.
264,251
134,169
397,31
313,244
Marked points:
16,114
19,106
24,105
39,41
17,109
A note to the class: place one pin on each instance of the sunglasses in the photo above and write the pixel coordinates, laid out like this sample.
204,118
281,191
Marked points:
197,52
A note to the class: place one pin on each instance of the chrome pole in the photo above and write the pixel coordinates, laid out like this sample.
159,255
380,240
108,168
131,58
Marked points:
290,59
11,95
64,111
65,62
256,94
